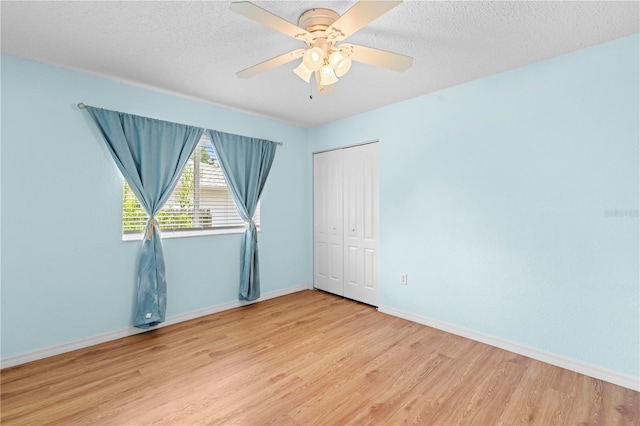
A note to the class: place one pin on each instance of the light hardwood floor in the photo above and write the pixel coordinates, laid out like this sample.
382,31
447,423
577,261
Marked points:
306,358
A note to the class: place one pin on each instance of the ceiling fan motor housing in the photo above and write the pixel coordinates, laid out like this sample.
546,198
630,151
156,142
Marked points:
319,17
316,21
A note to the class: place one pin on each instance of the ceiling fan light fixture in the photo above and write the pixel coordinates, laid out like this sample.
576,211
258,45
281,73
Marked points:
313,58
340,63
335,58
303,72
327,76
343,67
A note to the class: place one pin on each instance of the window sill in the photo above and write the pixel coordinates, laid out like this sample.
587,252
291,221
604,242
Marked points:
191,233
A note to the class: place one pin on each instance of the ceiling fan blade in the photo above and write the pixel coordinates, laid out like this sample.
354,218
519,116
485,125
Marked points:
271,63
377,57
267,18
360,14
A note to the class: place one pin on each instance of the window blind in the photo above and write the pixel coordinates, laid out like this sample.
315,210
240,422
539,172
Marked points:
200,201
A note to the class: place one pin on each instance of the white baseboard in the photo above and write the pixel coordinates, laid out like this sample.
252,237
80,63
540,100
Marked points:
37,354
581,367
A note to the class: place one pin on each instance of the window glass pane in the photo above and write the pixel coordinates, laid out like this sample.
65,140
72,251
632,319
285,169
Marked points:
201,199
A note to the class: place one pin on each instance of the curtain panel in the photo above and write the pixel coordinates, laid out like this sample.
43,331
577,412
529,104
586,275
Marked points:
151,155
245,163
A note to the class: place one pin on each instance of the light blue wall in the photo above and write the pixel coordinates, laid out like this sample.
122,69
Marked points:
69,276
496,199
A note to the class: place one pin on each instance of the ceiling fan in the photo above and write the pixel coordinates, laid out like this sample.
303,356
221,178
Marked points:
323,30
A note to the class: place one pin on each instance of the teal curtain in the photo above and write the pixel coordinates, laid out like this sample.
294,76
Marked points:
151,155
245,163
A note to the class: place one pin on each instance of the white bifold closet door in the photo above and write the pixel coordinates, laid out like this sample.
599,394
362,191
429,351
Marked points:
328,233
346,222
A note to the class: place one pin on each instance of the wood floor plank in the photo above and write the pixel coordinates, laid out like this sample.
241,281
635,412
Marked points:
621,406
525,403
303,359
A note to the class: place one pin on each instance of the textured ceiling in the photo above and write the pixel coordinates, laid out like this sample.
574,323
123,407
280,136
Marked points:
194,48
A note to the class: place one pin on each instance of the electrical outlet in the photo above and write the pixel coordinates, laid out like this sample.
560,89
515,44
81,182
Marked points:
403,278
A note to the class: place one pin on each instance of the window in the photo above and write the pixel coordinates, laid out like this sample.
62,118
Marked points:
200,202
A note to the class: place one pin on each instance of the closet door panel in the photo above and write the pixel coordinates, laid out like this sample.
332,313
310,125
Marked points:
328,222
369,268
320,223
335,282
353,214
335,221
361,223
